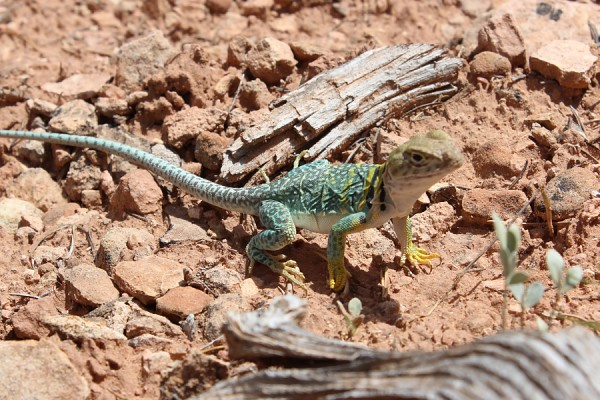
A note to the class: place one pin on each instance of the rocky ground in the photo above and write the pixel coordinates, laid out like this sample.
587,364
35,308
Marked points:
103,264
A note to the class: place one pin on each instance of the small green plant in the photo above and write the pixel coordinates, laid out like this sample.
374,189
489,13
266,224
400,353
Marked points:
353,317
514,280
563,282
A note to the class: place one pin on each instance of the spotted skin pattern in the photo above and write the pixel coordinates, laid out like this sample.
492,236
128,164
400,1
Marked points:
336,199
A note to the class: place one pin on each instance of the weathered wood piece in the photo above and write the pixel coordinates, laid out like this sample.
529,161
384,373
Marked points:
512,365
327,113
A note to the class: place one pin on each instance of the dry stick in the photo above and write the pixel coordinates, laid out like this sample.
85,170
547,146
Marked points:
234,100
469,267
518,178
548,213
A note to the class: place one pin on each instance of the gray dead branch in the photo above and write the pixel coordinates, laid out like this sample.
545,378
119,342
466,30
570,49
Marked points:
511,365
329,112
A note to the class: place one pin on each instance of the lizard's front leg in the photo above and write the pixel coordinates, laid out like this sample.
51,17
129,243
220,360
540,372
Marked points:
338,275
280,231
415,255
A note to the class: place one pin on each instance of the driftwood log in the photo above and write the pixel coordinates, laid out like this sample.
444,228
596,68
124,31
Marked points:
329,112
512,365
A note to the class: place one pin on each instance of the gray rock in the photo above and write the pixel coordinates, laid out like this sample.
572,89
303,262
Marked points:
76,117
216,313
479,204
12,210
123,244
89,286
78,329
567,192
78,86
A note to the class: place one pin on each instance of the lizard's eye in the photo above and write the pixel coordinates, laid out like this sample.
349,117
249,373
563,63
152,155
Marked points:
417,159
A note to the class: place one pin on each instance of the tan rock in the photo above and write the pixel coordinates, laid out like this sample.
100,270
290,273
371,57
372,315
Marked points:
123,244
478,205
40,107
78,329
255,95
12,210
306,51
217,311
435,220
488,64
237,50
137,192
37,186
27,321
181,301
149,278
271,60
501,35
568,61
39,370
76,117
79,86
218,6
184,126
567,192
110,107
210,148
259,8
497,158
89,286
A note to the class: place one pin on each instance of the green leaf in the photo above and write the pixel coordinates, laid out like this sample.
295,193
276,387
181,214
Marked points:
513,238
574,277
508,261
517,277
533,295
500,230
556,264
517,290
354,306
542,326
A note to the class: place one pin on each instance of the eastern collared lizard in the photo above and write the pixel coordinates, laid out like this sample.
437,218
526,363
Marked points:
336,199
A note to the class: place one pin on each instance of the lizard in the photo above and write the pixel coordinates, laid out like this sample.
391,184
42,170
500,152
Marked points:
338,199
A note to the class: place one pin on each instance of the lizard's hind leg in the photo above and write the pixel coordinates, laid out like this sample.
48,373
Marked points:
280,231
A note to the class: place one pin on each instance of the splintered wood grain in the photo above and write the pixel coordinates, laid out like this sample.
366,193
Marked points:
512,365
329,112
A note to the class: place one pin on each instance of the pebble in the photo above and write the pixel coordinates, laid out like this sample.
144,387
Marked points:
142,322
27,321
217,311
487,64
259,8
37,186
271,60
40,107
149,278
31,151
82,175
567,192
209,149
79,86
140,58
39,370
255,95
237,50
218,6
88,285
138,193
110,107
497,158
306,51
181,301
568,61
435,220
501,35
79,329
123,244
479,204
76,117
12,210
218,278
181,230
184,126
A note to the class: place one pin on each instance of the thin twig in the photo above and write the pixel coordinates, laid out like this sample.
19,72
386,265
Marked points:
234,100
518,178
548,213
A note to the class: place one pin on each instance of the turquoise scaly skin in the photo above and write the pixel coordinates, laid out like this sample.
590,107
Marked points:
335,199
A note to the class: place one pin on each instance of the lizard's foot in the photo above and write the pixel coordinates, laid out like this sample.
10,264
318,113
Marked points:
288,269
338,278
418,256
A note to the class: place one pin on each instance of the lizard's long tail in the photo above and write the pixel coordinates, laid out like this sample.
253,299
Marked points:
244,200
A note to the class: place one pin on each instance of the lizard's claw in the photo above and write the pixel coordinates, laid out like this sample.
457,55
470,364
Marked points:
338,278
289,270
418,256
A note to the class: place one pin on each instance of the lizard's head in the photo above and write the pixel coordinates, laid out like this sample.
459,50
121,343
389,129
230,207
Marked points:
419,163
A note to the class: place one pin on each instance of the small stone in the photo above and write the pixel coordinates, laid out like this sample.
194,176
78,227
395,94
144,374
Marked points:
255,95
248,288
75,117
237,51
37,186
217,311
567,191
209,149
33,221
219,278
271,61
78,329
497,158
82,175
12,210
501,35
40,107
142,322
434,221
184,126
478,205
306,51
138,193
109,107
27,321
140,58
218,6
148,278
259,8
91,198
161,151
488,64
79,86
568,61
181,301
39,370
181,230
89,286
123,244
475,8
32,151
